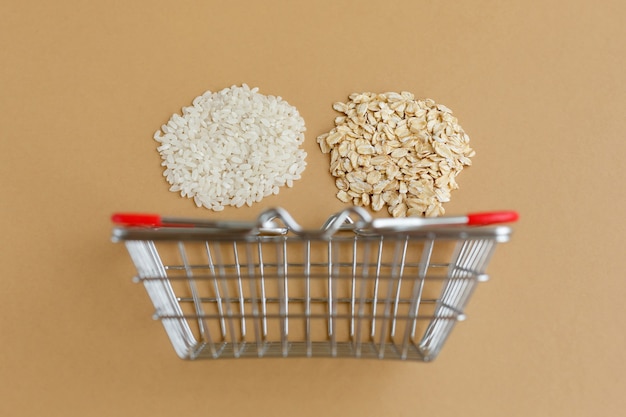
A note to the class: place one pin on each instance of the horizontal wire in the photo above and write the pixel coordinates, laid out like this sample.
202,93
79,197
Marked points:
175,267
343,300
295,275
454,317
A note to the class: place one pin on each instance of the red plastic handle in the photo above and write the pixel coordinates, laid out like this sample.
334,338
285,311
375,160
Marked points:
136,219
491,217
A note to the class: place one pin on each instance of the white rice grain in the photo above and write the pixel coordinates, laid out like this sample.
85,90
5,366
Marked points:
232,147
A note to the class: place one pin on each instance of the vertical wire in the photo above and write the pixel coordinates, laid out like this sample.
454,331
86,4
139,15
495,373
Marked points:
424,265
331,298
229,311
307,297
416,296
353,287
202,325
282,305
399,287
387,313
254,300
285,302
263,294
376,284
218,297
242,306
364,285
329,288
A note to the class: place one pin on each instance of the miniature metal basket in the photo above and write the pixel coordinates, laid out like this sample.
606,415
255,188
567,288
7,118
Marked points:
358,287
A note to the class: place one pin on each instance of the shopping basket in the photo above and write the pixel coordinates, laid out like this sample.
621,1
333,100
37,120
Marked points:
385,288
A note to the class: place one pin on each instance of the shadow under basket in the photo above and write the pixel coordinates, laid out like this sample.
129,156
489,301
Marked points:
271,289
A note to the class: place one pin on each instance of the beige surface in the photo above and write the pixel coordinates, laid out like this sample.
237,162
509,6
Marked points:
538,85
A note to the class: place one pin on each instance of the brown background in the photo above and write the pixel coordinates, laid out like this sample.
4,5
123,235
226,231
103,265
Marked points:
538,85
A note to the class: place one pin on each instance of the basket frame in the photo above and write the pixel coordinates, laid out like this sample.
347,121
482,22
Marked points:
372,282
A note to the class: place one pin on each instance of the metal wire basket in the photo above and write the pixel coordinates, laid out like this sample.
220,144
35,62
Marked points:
358,287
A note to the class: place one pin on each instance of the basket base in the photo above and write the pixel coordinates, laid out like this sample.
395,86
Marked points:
367,350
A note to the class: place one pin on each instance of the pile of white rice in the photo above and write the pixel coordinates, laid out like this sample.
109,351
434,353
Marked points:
232,147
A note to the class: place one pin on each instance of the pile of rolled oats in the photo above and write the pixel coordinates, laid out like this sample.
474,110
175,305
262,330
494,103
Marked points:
391,150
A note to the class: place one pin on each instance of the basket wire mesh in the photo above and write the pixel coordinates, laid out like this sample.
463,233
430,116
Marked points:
347,292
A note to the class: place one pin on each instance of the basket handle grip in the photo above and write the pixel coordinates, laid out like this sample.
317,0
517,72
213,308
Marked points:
492,217
137,219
